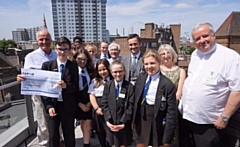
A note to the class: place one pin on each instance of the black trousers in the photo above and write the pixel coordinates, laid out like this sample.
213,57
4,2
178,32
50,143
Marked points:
199,135
67,123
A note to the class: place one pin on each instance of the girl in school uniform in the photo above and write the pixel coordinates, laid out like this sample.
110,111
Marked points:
84,114
157,100
117,106
102,75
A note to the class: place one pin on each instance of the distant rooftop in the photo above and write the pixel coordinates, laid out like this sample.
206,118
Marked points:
231,26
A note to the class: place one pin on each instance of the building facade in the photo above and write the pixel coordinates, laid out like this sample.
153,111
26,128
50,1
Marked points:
84,18
23,34
152,37
228,34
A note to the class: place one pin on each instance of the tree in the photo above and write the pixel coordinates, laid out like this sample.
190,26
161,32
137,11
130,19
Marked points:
2,44
10,44
187,50
5,44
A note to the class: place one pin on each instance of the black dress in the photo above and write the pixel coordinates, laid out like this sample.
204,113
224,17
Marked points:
83,97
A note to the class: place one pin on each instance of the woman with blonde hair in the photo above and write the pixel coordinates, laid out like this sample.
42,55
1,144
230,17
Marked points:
176,74
169,68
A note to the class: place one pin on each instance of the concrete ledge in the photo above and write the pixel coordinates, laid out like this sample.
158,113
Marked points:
4,106
15,135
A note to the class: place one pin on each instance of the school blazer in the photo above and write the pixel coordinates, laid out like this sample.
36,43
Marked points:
162,109
69,94
108,104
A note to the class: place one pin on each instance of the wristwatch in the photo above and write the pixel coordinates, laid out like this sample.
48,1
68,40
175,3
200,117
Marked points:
224,118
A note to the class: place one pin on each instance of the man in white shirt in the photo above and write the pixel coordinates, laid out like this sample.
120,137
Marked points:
114,51
211,92
34,60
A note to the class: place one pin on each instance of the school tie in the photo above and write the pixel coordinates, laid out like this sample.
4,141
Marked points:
105,80
105,56
62,70
146,90
117,91
134,62
84,79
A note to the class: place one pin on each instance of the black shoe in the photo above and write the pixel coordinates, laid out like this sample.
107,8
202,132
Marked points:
91,133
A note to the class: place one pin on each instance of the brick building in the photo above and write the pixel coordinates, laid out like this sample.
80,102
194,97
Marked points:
152,37
228,34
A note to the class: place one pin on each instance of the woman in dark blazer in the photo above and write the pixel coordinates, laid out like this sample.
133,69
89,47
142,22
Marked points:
117,106
157,100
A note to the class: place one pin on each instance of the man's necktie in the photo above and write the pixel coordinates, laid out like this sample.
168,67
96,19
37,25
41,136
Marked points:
105,56
134,62
84,79
117,91
62,70
146,90
105,80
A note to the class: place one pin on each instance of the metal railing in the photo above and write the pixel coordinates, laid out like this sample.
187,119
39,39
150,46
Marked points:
23,129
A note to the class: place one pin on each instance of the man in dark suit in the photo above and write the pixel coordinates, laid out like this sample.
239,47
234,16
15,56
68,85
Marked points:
62,110
133,61
104,54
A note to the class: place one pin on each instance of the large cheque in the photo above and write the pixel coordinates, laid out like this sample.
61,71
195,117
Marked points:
40,82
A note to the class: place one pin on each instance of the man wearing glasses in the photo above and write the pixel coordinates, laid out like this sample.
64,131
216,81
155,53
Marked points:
62,110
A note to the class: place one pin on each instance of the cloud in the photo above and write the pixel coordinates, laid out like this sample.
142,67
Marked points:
131,8
164,5
183,5
122,14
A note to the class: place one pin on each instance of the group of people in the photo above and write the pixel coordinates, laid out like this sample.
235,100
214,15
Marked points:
141,96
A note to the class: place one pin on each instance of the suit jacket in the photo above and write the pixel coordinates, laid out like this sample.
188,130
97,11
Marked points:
109,103
162,109
69,94
127,60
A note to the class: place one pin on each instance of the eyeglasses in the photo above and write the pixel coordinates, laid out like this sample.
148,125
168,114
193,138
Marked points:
115,72
64,50
82,59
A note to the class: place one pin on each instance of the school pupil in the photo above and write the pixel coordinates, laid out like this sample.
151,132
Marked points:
102,75
156,101
117,107
84,113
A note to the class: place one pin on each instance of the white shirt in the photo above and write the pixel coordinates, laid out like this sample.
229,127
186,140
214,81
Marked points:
80,77
96,91
111,59
120,85
95,60
152,90
137,57
102,56
35,59
211,78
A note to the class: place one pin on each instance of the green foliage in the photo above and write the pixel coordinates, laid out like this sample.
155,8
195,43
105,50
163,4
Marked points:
188,50
52,47
5,44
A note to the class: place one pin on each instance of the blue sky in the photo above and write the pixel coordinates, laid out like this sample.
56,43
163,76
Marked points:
129,15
